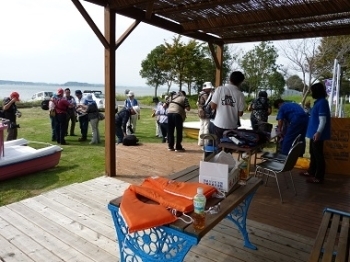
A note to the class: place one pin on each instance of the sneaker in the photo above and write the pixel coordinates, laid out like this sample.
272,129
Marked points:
180,149
80,139
171,149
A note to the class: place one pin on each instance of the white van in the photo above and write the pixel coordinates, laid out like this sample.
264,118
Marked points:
43,95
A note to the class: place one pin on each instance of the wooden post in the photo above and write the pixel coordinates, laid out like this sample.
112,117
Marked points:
110,153
219,57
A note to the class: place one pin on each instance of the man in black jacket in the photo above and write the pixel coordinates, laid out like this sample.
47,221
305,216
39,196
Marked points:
121,119
10,112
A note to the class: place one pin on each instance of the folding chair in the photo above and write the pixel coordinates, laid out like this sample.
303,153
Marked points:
278,156
274,168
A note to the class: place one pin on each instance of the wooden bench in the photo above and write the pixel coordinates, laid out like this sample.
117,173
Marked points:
332,241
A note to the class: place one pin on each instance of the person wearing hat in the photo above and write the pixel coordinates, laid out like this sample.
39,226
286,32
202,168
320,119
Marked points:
130,102
61,107
90,107
121,120
260,110
204,97
10,112
161,114
71,113
156,102
82,116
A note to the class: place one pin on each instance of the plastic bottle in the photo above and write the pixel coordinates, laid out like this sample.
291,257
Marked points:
199,202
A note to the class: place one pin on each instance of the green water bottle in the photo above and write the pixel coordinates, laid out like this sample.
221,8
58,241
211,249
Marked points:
199,202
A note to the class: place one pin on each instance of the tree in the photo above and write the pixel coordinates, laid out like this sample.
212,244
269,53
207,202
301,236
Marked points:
295,82
258,64
301,54
276,83
152,70
330,48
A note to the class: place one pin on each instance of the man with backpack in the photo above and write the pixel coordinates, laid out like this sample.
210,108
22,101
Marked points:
11,113
121,120
203,101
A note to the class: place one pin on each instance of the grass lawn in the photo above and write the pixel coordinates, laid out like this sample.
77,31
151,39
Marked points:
79,161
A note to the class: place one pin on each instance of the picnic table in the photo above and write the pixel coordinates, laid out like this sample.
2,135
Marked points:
248,150
333,239
172,242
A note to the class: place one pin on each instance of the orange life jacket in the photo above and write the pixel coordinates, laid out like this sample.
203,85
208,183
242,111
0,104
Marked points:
183,189
139,215
165,199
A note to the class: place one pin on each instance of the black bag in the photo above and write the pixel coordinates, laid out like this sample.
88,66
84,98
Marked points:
246,137
130,140
45,104
209,112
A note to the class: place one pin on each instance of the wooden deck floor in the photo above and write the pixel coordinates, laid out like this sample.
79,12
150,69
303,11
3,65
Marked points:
73,224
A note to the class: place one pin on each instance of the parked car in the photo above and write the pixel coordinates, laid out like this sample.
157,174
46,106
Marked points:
99,98
43,95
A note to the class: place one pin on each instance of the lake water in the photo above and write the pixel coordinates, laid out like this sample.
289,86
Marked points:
27,91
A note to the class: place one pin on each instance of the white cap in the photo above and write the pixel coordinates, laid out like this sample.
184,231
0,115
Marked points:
207,85
136,109
200,190
131,93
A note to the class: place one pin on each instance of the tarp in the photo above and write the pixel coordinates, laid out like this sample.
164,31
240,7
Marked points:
337,150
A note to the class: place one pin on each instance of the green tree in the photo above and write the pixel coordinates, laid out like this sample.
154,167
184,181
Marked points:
258,64
295,82
276,83
152,70
330,48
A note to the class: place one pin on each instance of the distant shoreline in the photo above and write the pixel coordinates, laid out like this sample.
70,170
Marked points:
70,83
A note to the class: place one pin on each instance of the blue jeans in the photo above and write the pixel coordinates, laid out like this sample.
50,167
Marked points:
84,125
119,133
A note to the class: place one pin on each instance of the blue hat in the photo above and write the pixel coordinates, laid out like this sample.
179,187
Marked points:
89,98
78,92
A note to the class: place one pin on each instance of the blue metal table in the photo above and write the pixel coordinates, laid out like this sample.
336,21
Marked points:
172,242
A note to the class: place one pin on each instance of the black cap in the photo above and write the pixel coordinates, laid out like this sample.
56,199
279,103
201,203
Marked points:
155,99
78,92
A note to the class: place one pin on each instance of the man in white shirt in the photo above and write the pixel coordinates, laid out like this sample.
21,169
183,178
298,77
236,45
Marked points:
229,103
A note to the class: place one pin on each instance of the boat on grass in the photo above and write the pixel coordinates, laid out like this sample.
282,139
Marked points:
191,129
22,157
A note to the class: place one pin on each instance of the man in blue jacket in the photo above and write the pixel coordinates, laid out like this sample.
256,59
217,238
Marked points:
292,117
121,120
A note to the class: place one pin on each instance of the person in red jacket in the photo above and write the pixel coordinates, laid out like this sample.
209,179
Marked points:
61,108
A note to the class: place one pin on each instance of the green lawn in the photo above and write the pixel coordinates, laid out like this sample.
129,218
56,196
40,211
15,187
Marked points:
79,161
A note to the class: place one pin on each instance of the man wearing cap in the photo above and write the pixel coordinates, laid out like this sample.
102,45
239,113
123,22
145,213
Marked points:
121,120
204,98
176,105
61,107
10,111
82,116
129,103
71,113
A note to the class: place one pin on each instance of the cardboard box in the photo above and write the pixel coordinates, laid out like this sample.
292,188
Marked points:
218,175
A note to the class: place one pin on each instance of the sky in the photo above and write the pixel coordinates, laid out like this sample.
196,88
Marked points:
49,41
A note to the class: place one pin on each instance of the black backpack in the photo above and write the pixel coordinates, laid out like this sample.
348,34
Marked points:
45,104
130,140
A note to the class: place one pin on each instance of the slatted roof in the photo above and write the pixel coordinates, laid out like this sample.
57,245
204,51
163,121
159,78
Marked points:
236,21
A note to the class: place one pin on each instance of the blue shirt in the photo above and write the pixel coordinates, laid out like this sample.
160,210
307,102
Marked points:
291,112
130,103
320,108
